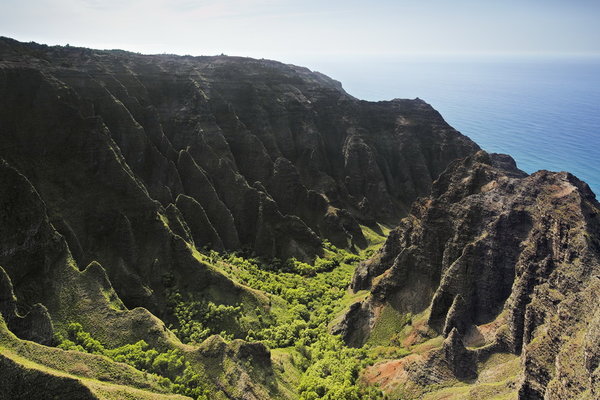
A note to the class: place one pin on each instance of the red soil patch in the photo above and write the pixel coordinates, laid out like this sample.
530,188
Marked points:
389,373
417,335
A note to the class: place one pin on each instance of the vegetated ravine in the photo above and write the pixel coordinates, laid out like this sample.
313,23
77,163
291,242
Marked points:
215,228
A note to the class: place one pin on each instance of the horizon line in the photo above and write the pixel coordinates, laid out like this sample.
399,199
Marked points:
214,53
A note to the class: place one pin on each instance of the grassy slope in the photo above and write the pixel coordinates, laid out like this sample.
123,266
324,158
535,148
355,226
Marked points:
88,298
104,378
497,380
393,337
406,337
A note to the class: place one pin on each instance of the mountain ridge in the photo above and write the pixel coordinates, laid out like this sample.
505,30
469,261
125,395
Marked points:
495,261
153,203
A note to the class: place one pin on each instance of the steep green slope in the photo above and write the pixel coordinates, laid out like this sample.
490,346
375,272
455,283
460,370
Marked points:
40,260
33,371
303,301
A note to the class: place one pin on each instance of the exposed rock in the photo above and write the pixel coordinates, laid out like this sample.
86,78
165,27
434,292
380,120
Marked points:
129,163
36,325
510,255
377,264
207,126
460,360
256,353
203,233
201,189
356,324
233,360
457,317
178,224
8,302
592,354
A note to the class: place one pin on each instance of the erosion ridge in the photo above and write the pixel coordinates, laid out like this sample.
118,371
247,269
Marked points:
121,171
186,227
497,262
232,152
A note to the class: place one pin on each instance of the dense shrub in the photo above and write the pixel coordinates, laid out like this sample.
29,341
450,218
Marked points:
311,292
199,319
170,367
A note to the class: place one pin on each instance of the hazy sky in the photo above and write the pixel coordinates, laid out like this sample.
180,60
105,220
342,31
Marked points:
285,29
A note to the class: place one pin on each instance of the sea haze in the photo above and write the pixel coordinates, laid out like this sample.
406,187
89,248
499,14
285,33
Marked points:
544,111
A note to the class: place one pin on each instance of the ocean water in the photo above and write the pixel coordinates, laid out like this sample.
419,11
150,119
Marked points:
543,111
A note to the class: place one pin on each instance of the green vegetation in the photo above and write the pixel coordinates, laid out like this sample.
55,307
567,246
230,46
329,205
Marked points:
173,371
375,237
388,326
305,299
199,319
497,378
331,370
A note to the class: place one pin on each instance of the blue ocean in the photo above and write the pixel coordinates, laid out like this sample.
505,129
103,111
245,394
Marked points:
543,111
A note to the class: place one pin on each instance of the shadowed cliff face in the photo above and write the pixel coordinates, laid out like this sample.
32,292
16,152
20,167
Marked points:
135,156
499,262
118,168
53,290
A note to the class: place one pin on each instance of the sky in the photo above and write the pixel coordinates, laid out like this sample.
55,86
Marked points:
286,29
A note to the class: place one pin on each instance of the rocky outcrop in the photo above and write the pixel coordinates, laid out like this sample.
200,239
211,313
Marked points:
461,361
129,164
457,317
237,121
200,226
39,258
592,355
246,368
500,256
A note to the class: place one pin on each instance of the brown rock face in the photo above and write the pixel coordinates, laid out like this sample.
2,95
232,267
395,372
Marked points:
492,246
128,164
249,120
461,361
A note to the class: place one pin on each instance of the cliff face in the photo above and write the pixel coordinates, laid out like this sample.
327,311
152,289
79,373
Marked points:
134,155
499,262
119,169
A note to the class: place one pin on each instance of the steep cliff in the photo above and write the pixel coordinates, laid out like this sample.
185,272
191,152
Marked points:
132,152
499,262
151,203
122,172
